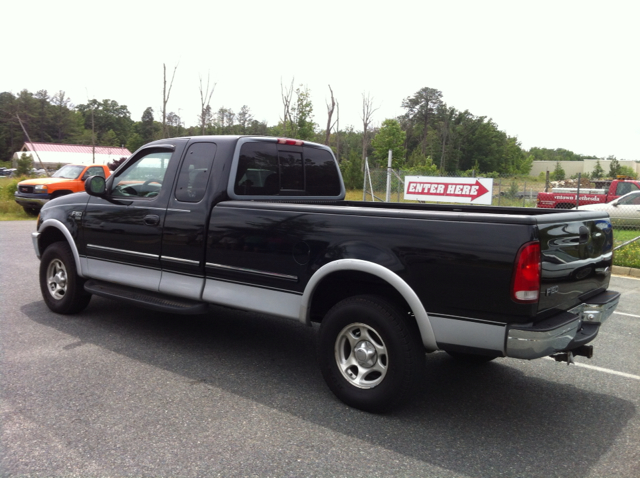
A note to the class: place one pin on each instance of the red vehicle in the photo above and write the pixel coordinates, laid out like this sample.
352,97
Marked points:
605,191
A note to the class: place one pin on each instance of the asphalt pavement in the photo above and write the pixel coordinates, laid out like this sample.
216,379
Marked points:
122,392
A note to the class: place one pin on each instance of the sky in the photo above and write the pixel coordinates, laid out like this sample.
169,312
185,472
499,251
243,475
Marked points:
554,74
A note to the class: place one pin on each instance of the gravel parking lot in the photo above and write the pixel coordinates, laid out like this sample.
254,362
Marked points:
123,392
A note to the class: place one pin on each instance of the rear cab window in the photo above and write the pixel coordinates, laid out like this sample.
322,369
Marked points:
265,168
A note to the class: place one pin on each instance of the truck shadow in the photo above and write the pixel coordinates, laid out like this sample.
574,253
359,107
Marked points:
467,419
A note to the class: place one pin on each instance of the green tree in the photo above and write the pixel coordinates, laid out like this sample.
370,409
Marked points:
558,173
389,137
597,172
297,120
303,114
25,163
67,123
110,139
148,130
107,115
421,108
614,167
11,135
244,118
351,169
135,141
627,171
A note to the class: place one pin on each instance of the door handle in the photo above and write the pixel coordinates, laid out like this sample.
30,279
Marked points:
151,220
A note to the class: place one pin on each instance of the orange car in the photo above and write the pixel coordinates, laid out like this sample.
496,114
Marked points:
32,194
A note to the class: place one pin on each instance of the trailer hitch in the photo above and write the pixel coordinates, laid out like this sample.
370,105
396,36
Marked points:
583,351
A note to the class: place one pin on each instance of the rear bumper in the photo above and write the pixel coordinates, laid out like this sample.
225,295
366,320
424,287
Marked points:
563,331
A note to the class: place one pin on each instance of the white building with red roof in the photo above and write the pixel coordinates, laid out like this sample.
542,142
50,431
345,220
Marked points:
52,155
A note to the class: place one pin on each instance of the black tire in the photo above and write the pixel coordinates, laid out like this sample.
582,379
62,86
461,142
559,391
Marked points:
31,211
389,369
471,358
62,289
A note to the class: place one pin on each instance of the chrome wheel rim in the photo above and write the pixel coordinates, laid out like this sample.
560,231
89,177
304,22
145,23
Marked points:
57,279
361,355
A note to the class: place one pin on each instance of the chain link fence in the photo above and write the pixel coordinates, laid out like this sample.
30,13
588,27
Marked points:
513,191
507,190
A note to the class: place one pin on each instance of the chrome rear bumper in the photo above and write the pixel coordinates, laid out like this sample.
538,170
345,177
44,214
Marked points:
557,333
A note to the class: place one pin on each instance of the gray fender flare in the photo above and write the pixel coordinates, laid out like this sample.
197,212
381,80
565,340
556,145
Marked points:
422,318
62,228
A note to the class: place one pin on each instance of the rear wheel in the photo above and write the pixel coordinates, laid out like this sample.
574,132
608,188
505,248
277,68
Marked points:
62,289
370,354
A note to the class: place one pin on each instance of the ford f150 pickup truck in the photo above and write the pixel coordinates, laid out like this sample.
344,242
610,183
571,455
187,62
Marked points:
32,194
261,224
568,198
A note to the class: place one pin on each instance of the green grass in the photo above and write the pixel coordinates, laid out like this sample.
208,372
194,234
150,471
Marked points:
9,209
629,255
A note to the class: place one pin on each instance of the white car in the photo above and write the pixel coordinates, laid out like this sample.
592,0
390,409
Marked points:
624,211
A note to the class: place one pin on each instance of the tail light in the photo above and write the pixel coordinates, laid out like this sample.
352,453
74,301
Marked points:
526,275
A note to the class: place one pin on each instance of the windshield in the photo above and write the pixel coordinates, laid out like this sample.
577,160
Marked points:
68,172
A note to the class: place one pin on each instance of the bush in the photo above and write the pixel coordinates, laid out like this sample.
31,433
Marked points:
558,173
352,172
8,187
25,163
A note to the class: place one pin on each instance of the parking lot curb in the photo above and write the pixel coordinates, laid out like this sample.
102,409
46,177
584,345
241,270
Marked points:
626,271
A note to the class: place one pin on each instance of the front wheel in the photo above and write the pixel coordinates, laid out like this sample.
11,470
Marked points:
61,286
31,211
370,354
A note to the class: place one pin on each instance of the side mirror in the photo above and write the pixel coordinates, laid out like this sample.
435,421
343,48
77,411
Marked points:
95,186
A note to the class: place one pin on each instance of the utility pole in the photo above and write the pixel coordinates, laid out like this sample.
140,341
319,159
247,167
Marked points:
34,148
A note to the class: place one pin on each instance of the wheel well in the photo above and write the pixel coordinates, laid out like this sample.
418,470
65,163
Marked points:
565,205
340,285
49,236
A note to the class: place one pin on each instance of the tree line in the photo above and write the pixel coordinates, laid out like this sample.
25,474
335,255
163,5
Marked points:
430,136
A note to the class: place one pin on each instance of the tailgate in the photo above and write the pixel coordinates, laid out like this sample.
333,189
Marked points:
577,256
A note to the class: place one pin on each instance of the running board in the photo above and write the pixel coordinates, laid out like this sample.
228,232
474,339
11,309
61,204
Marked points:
145,298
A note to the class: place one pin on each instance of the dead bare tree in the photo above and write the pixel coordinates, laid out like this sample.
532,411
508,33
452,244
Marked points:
367,113
338,131
165,96
204,105
330,110
287,96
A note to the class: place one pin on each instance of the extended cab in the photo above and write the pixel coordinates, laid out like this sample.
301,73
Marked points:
32,194
568,198
261,224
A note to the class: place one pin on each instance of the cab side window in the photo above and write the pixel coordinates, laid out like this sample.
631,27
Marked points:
270,169
258,172
195,171
144,178
95,171
624,188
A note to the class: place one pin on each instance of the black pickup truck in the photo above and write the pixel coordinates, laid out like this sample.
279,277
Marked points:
261,224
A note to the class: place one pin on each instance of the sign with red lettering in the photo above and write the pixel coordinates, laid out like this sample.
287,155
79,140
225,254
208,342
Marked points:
462,190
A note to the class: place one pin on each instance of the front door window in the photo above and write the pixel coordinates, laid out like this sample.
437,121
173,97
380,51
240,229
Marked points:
144,178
